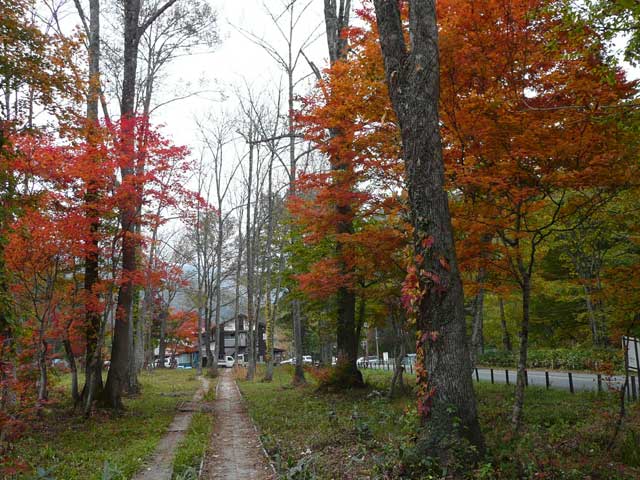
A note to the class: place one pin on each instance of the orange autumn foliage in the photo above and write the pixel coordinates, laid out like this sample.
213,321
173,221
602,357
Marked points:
531,115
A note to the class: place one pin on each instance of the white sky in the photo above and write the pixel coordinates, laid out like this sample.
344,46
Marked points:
235,61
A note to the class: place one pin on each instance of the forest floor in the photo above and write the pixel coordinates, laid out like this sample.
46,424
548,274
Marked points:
61,444
235,451
363,434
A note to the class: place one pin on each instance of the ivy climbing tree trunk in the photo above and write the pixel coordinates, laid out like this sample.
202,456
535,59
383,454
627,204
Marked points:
446,399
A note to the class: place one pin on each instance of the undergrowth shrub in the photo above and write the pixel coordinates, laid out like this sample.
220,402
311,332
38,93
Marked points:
559,359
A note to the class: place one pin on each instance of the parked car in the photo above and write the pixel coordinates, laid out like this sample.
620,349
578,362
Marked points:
291,361
227,361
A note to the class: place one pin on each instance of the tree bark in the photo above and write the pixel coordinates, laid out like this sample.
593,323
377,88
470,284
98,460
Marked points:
446,402
270,319
75,394
518,406
477,331
92,388
43,393
298,373
250,264
274,315
236,303
162,346
506,337
397,381
336,21
219,345
123,328
136,342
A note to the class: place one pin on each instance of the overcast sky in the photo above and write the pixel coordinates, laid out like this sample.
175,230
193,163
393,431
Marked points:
236,60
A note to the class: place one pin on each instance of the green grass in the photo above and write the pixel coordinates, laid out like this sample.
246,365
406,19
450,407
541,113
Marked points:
361,434
68,447
191,449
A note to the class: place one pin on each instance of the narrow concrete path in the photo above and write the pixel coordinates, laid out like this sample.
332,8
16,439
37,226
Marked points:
160,465
235,451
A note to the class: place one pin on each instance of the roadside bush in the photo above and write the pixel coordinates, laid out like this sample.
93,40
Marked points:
559,359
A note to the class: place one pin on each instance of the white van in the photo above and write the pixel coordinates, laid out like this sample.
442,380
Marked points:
227,361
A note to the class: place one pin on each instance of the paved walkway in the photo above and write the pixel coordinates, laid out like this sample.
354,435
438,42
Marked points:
160,465
235,452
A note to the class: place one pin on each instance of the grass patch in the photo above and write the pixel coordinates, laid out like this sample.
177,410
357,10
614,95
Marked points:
191,449
66,446
362,434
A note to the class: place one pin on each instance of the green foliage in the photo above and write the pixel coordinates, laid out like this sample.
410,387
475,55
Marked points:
591,359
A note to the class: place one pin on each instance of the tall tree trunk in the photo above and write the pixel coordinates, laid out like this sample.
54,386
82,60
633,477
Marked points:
162,346
250,265
273,312
129,210
236,302
123,328
446,399
399,352
139,346
477,330
593,320
336,21
93,369
136,342
200,340
131,385
298,373
518,406
75,393
604,331
347,340
506,337
212,359
43,393
269,317
219,346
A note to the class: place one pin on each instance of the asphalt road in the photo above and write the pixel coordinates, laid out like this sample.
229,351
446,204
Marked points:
557,380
